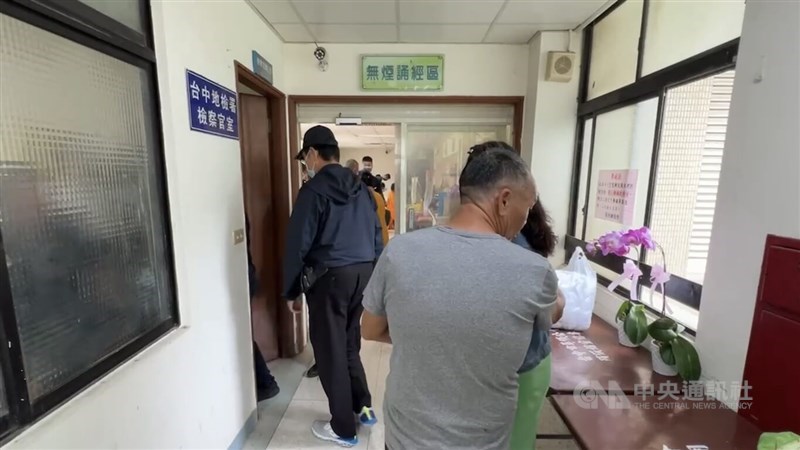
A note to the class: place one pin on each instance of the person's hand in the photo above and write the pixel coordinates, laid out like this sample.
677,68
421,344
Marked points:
558,310
296,305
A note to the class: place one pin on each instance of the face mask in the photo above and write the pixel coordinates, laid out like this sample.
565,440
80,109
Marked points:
311,172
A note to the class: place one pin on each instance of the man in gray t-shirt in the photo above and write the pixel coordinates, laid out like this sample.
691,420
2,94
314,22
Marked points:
459,303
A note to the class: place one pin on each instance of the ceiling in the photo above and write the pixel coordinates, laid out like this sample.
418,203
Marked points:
362,136
422,21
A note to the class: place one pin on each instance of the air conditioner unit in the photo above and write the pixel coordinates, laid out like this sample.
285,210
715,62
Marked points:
560,66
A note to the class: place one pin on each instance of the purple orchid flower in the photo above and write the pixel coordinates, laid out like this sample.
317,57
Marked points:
613,242
641,236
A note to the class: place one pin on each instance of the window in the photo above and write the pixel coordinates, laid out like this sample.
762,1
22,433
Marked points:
692,141
86,279
126,12
680,30
614,49
433,156
655,96
622,145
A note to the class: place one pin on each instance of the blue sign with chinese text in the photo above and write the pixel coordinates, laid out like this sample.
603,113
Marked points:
213,109
262,67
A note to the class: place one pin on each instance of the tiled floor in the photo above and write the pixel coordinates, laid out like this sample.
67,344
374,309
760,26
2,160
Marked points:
285,421
308,403
288,373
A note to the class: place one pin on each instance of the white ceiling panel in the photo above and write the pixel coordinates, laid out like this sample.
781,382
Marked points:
276,11
511,34
549,11
422,21
354,33
443,33
449,12
293,32
347,12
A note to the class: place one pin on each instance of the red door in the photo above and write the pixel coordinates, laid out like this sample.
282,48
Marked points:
772,369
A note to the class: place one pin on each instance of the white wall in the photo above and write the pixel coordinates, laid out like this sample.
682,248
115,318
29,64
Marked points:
468,69
759,189
194,388
535,60
548,136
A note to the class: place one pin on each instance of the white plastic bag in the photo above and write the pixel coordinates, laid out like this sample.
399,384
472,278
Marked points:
578,283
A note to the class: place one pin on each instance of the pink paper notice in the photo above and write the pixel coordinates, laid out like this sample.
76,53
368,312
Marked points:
616,196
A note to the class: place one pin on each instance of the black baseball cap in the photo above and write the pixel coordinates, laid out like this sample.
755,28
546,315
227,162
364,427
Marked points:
315,137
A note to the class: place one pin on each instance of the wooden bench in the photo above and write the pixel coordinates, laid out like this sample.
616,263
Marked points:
593,389
595,355
630,422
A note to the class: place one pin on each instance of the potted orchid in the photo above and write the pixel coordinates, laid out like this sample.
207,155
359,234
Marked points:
671,353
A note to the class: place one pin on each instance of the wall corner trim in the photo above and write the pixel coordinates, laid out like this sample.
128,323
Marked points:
247,429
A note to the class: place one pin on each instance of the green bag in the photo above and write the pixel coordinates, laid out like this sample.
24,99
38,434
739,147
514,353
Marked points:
779,441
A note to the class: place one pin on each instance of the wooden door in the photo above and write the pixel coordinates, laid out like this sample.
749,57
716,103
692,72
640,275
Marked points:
772,369
260,210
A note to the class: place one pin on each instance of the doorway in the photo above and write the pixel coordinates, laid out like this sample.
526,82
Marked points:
377,142
265,182
423,144
406,113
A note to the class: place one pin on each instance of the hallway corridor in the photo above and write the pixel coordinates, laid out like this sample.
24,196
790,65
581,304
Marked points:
308,403
284,421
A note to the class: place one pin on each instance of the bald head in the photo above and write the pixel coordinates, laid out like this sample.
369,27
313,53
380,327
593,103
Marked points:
352,164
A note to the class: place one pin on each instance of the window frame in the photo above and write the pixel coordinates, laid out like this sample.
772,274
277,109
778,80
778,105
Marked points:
85,26
655,85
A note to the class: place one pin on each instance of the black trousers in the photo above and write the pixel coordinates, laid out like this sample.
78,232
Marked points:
264,379
334,309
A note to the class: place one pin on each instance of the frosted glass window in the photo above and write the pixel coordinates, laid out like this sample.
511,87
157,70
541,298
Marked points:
680,30
623,141
433,159
615,49
126,12
81,217
623,146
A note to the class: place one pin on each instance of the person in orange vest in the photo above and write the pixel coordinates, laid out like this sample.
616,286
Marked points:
391,207
375,184
380,210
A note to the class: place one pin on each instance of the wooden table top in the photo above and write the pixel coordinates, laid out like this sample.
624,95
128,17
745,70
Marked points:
609,423
595,356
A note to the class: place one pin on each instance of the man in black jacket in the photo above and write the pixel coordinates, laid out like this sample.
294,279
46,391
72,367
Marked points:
333,240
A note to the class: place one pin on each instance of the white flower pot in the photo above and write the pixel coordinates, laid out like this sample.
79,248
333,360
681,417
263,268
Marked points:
659,366
623,338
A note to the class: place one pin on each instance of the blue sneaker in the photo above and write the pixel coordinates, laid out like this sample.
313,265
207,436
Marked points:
322,430
367,416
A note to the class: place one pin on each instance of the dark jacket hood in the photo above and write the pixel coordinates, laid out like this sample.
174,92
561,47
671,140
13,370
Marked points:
336,183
